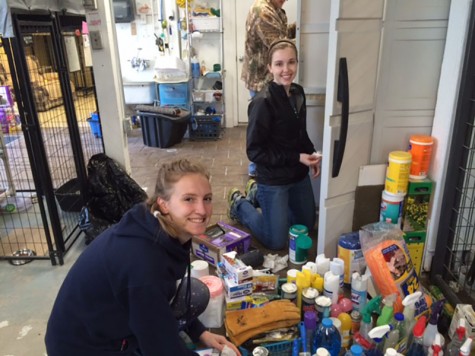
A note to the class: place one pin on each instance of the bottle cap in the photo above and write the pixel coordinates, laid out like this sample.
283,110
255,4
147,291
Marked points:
327,322
310,320
399,316
465,349
390,352
420,327
356,350
322,352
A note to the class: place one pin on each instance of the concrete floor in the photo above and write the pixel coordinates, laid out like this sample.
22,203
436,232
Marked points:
28,291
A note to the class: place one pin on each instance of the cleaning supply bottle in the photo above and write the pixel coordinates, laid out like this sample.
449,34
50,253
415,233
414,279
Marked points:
377,335
355,350
465,349
392,338
328,337
387,313
310,321
302,282
398,322
431,328
453,348
373,306
331,286
409,311
359,290
417,346
345,319
436,347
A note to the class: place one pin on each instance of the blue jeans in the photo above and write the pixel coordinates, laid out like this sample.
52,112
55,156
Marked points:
281,207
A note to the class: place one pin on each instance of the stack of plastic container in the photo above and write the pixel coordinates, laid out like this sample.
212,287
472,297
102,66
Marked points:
395,188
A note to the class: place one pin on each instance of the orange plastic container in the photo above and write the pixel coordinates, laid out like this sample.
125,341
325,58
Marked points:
420,148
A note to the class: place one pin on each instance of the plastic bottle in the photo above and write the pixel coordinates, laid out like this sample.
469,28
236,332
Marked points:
310,321
436,347
331,286
302,283
465,349
359,290
417,346
195,67
345,319
323,264
387,313
377,335
431,328
328,337
409,303
337,266
453,348
400,326
373,306
392,338
355,350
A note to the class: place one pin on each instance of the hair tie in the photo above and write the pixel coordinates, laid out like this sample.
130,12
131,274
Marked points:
157,213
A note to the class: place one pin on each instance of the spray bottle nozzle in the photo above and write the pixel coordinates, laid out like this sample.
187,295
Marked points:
411,299
373,306
390,299
435,311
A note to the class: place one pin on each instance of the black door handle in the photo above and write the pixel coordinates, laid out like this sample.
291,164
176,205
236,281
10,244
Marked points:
343,96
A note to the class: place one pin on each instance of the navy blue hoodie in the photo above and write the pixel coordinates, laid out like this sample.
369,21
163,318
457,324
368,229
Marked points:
116,297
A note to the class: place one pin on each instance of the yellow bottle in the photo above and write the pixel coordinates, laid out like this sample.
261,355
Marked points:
302,283
318,283
345,329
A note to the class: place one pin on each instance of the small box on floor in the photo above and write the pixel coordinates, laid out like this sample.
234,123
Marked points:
236,269
219,239
235,290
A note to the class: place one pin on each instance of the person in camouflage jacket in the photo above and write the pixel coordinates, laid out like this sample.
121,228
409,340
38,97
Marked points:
265,23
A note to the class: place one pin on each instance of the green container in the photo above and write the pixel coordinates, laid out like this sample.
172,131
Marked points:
294,232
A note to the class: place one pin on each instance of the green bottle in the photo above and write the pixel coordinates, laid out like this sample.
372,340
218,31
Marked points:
387,312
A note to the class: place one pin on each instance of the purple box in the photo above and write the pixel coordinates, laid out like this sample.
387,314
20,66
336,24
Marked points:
218,239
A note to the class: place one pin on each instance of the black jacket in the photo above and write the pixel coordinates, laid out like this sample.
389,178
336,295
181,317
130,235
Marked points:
120,288
277,134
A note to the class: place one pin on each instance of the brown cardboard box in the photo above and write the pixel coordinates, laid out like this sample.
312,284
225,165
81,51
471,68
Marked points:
218,239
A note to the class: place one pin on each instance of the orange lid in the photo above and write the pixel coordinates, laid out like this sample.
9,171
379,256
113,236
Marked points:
421,139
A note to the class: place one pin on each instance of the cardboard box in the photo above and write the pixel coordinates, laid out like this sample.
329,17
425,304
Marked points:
235,290
219,239
236,269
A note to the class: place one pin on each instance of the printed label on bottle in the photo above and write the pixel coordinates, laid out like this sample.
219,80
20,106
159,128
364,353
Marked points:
358,297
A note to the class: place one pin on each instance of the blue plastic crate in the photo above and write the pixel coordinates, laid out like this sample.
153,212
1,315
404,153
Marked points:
205,128
174,94
283,348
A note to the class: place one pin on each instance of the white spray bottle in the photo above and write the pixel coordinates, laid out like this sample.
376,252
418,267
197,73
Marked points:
409,303
465,349
436,348
359,290
377,335
323,264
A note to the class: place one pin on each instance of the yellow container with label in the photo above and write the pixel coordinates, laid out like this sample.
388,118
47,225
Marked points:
397,175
